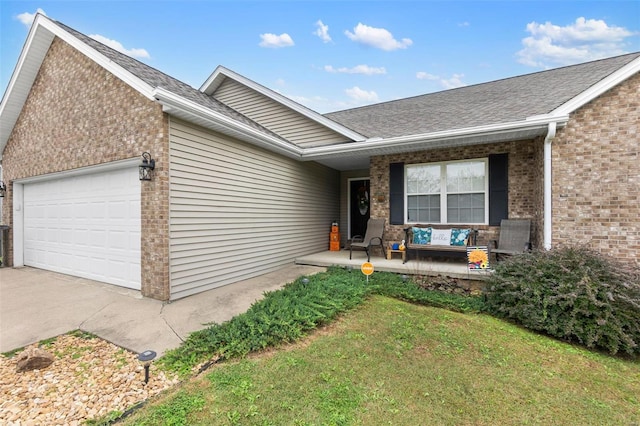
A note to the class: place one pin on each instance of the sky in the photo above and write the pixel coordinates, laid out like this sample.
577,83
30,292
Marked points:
335,55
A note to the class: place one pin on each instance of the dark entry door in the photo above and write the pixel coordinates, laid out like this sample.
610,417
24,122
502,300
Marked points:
360,206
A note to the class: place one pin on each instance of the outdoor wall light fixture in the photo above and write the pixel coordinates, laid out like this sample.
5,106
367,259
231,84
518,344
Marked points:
3,189
147,166
146,358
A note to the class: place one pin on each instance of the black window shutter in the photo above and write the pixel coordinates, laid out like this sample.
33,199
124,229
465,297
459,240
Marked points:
396,193
498,188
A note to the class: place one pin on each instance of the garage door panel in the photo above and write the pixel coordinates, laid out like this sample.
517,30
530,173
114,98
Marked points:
86,225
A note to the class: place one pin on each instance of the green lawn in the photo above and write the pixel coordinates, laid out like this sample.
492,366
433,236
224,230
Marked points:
391,362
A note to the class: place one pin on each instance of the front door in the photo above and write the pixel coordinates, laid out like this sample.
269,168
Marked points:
359,206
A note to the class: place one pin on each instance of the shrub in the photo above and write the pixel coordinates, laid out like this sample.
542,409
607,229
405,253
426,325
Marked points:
281,316
575,294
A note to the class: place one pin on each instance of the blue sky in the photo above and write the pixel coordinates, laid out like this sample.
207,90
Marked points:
333,55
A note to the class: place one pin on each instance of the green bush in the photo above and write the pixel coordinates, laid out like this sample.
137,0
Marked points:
575,294
286,315
281,316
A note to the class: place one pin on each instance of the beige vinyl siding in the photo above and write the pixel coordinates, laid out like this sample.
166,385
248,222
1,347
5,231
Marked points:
237,211
276,117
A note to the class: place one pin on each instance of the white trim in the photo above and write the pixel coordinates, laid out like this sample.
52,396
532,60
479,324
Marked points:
42,32
443,190
114,165
599,88
221,72
504,130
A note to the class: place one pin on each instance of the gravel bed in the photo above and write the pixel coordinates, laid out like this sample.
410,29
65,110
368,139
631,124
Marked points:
89,379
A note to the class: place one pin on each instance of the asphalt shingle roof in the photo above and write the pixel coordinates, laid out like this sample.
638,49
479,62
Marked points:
502,101
158,79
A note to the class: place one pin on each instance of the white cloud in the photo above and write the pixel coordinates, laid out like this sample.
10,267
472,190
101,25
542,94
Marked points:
27,18
377,37
276,41
421,75
584,40
454,81
322,31
447,83
116,45
358,69
361,96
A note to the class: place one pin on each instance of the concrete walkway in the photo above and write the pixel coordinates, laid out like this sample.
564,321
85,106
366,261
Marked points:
37,304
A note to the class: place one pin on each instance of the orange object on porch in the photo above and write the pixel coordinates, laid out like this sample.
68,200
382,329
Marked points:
334,237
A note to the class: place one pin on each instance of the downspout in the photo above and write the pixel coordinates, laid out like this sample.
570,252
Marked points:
551,133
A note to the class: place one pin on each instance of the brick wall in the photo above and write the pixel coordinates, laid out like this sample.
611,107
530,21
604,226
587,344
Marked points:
596,175
524,168
78,115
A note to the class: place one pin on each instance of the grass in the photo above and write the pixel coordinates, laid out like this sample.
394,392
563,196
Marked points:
392,362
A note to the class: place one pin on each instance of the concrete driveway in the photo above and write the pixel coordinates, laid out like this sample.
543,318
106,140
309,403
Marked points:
37,304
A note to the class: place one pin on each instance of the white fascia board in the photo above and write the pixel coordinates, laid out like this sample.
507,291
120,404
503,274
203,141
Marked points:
599,88
503,130
215,80
170,101
23,77
115,69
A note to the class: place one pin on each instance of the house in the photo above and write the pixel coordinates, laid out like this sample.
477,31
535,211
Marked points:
245,179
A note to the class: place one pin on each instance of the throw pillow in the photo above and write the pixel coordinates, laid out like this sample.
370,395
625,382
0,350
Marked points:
421,235
459,236
441,237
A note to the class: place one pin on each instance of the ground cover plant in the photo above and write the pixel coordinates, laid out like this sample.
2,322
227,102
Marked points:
574,294
392,362
285,315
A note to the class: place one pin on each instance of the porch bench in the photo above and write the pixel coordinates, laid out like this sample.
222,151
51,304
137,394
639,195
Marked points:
422,238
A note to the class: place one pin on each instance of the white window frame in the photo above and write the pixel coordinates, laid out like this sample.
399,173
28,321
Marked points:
443,190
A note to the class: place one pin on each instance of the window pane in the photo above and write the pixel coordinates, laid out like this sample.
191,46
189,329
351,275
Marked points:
423,208
423,180
464,177
465,208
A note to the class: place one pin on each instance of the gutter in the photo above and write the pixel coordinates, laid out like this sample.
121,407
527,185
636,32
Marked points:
192,111
547,185
489,133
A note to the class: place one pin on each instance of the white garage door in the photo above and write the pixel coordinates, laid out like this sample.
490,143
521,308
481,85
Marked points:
86,225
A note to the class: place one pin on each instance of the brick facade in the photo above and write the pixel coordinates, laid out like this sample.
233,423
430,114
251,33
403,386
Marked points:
79,115
596,175
524,168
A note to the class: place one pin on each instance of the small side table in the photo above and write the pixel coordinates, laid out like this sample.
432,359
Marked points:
391,251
